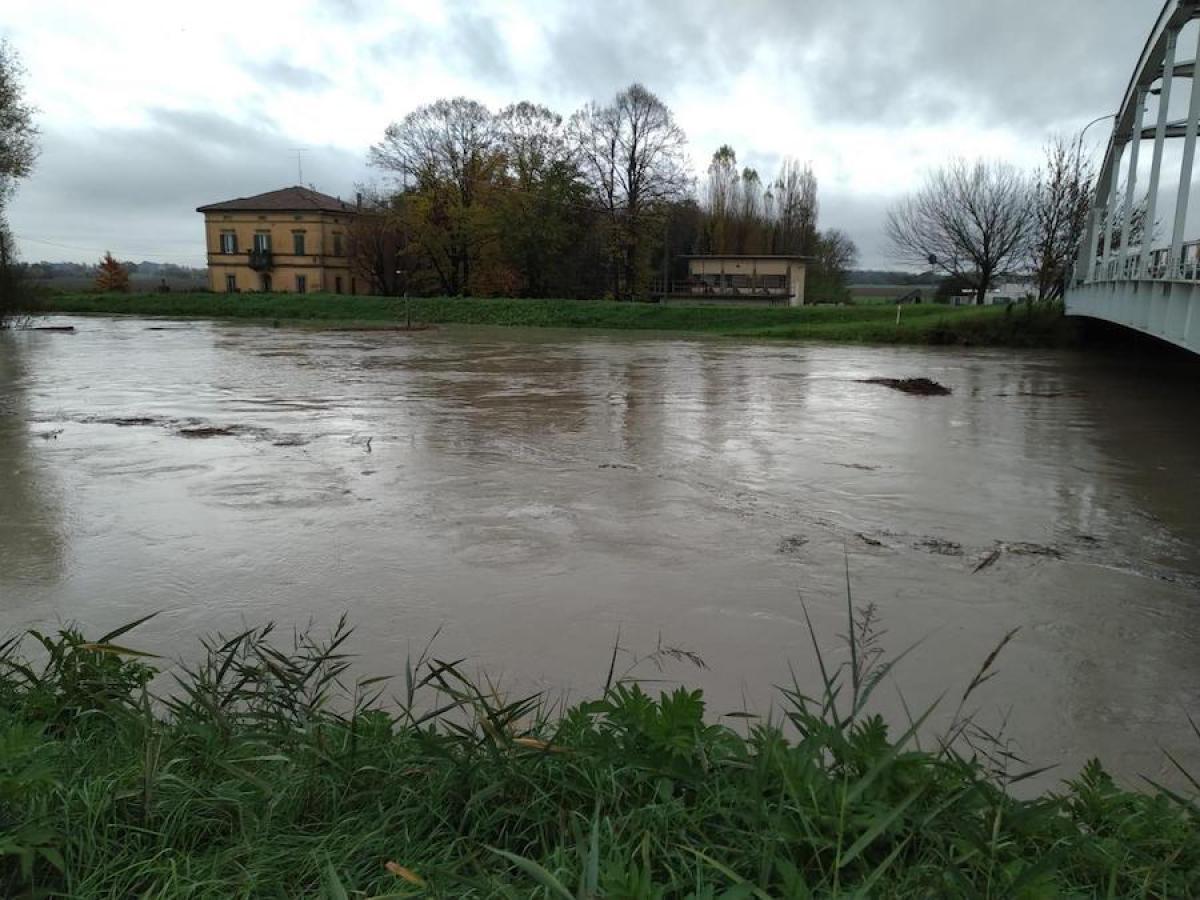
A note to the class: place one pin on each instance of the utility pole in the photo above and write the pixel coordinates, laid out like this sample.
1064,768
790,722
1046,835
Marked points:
666,255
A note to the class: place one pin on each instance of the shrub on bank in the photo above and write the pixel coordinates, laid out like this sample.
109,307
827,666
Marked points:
269,770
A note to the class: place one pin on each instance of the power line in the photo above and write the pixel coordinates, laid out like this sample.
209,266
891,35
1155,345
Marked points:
148,255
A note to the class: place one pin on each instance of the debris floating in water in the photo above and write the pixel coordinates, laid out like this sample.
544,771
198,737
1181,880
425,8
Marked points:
987,561
925,387
207,431
792,543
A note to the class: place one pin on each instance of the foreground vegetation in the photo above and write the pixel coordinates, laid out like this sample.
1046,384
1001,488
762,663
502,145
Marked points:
267,771
1041,325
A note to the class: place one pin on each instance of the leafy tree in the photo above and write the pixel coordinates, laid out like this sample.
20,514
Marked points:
18,134
112,277
834,255
970,220
18,151
543,208
14,284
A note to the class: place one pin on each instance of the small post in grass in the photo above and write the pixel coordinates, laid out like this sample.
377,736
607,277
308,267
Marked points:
407,302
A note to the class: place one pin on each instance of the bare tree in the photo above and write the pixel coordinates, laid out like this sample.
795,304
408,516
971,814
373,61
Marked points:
720,192
378,243
751,223
970,220
449,150
796,208
534,141
632,154
1062,196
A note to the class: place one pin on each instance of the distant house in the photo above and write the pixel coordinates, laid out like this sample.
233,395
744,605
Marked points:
1010,290
742,280
292,240
1004,290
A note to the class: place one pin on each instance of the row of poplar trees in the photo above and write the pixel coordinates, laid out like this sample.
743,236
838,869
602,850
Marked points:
523,202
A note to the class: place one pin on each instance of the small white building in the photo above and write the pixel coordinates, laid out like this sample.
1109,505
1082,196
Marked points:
1010,290
1002,291
743,280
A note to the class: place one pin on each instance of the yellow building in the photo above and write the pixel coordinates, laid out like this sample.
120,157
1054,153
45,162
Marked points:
293,240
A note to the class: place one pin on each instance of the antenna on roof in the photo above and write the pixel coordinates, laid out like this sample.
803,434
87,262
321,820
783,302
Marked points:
299,151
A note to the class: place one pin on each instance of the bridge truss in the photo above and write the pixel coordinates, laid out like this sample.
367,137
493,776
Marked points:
1119,277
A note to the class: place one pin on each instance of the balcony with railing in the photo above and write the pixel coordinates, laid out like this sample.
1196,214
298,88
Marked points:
261,259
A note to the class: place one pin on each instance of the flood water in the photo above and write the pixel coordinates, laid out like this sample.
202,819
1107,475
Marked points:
534,493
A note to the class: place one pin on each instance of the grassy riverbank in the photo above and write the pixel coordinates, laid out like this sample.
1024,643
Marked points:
871,323
273,773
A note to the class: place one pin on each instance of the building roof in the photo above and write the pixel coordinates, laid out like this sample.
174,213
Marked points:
288,199
788,256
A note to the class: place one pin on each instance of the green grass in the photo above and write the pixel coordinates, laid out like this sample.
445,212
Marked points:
869,323
269,770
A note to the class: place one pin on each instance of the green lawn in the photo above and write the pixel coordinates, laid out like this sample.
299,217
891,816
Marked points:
871,323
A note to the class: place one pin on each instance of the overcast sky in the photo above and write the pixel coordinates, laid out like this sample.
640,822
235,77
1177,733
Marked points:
149,110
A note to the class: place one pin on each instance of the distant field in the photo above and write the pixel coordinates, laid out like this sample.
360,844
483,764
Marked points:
870,323
137,282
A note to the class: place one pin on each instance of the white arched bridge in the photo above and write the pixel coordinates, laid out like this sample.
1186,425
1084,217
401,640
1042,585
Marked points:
1134,269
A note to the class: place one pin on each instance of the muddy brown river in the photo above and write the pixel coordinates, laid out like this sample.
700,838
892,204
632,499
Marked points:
532,494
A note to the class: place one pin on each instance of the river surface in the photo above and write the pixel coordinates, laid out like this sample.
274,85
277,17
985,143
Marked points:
533,494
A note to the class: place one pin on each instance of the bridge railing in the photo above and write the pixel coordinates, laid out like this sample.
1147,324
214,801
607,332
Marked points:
1149,265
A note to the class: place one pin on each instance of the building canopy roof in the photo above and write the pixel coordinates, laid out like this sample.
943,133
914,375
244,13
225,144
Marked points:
288,199
790,257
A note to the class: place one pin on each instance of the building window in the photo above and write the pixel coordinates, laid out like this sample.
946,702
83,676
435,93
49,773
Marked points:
298,243
262,240
229,242
337,245
337,284
301,283
231,284
266,282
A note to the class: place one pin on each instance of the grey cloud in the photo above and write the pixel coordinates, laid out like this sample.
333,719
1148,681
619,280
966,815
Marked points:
597,49
470,43
279,73
1025,62
135,190
861,217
